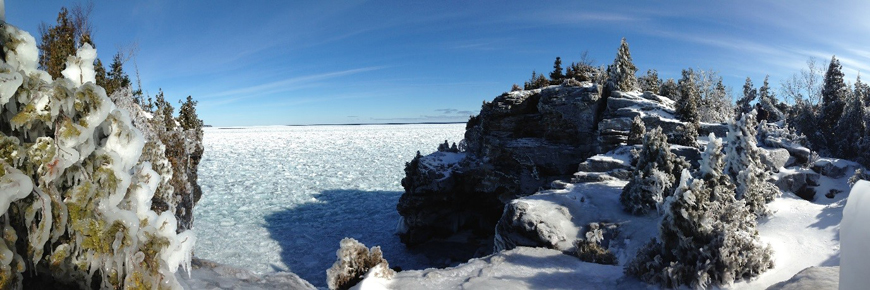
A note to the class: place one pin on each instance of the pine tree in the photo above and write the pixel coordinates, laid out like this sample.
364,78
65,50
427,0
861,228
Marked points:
687,108
744,104
187,116
767,102
556,76
716,106
743,165
637,131
850,127
654,174
687,103
116,78
706,237
669,89
834,92
650,82
57,43
622,72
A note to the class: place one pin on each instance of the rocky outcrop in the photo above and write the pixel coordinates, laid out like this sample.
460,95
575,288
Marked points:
519,143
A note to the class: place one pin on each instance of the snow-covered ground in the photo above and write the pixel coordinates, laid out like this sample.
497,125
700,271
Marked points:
802,234
281,198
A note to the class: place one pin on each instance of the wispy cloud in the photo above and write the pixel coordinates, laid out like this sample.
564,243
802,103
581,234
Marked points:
289,83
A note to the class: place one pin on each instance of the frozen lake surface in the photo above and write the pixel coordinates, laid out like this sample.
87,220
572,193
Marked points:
281,198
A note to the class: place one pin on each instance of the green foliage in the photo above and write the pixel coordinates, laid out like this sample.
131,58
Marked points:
654,175
622,72
669,89
556,75
650,82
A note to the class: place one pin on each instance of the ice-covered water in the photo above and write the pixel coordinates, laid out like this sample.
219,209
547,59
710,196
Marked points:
281,198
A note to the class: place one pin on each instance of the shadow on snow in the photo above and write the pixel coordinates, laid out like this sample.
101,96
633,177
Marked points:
309,234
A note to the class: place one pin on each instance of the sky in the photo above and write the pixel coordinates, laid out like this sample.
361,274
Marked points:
330,62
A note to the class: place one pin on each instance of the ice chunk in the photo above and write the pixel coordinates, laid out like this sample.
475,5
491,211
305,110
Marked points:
14,185
80,68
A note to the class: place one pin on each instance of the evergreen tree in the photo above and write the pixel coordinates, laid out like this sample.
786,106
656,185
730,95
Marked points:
743,165
100,74
850,127
687,103
187,116
744,104
834,92
716,106
687,108
669,89
654,174
706,237
116,78
767,102
530,85
650,82
569,71
637,131
57,43
556,76
622,72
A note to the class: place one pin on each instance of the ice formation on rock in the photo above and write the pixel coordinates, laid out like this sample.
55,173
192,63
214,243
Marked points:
74,183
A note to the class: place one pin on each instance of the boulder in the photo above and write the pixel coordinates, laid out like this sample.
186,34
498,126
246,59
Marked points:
774,159
833,168
794,181
800,153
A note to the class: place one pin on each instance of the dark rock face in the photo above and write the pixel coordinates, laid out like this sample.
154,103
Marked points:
519,143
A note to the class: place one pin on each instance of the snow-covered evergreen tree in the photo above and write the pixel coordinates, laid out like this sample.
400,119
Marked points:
669,89
744,104
637,131
650,82
706,237
767,102
622,72
743,165
834,93
716,106
654,174
850,128
687,108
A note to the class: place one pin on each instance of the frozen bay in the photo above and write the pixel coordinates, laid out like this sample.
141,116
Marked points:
281,198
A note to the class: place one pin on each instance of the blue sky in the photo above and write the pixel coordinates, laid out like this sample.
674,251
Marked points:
303,62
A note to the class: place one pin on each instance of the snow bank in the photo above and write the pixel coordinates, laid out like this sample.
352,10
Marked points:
854,234
520,268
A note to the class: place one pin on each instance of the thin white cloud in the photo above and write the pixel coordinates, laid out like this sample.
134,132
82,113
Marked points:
289,83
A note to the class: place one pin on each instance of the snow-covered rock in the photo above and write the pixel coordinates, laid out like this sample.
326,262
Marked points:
774,159
834,168
854,234
520,268
519,143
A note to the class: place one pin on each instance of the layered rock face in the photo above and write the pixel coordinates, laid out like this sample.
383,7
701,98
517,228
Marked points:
520,143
